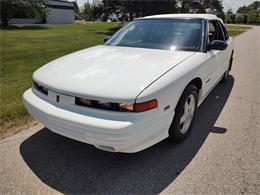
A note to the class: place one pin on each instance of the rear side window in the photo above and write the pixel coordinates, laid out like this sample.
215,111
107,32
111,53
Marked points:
224,31
215,31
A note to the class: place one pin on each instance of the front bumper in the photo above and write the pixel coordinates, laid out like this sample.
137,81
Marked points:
112,131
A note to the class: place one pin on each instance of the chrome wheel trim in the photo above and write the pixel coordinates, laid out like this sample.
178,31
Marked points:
188,113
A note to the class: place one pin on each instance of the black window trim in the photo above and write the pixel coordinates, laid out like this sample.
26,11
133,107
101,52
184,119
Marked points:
223,34
206,35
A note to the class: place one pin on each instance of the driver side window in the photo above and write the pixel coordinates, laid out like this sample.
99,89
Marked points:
215,31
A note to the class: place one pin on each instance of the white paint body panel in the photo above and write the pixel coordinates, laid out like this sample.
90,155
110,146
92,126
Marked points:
112,131
123,75
107,72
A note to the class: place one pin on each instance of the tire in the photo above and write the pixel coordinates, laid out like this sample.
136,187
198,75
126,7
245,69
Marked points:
180,129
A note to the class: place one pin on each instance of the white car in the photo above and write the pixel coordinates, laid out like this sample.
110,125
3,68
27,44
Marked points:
142,86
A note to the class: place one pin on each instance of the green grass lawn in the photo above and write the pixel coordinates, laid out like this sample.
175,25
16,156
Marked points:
25,50
234,30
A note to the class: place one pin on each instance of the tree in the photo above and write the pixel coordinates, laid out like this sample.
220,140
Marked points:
255,6
151,7
244,19
137,8
97,10
13,8
87,12
112,5
230,17
91,11
243,10
190,6
214,7
253,17
239,18
250,13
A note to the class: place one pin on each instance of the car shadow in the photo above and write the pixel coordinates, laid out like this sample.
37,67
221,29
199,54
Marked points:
73,167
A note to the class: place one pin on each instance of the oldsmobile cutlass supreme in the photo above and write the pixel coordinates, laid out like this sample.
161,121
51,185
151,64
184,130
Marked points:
142,86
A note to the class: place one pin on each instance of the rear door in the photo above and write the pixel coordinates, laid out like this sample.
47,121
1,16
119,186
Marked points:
225,54
217,32
210,70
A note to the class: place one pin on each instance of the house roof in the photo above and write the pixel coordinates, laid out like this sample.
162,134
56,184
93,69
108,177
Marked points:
60,4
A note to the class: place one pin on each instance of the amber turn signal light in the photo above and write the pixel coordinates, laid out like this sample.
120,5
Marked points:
144,106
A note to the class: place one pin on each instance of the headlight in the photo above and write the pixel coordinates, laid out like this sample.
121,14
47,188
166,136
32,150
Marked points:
40,88
127,107
123,107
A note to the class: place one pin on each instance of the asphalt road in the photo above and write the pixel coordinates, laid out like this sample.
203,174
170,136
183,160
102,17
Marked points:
220,156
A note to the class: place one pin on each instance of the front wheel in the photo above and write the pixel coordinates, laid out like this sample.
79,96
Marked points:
184,114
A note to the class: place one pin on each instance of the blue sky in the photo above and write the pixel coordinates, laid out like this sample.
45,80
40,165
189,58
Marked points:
233,4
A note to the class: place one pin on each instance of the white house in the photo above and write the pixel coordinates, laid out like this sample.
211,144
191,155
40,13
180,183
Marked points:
60,12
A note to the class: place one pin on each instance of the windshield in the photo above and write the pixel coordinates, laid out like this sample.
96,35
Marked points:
167,34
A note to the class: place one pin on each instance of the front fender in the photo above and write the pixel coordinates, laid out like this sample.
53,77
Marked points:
169,88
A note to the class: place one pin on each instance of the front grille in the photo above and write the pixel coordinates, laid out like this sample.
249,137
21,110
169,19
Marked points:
98,104
85,102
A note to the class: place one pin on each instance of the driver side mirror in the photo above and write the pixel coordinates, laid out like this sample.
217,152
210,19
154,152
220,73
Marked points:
107,38
218,45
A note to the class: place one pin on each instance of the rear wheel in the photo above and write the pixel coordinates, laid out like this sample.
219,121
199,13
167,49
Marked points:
184,114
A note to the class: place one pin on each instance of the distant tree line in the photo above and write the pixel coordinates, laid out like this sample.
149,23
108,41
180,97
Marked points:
130,9
245,15
125,10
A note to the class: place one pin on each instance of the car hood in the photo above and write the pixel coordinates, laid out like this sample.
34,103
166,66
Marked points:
108,73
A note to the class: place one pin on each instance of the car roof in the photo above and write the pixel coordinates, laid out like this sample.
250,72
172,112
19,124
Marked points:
173,16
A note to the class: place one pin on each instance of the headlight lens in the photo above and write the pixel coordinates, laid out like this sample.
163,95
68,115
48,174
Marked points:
40,88
127,107
123,107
